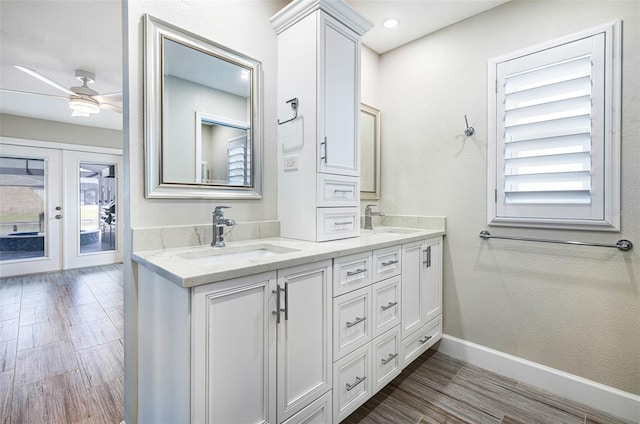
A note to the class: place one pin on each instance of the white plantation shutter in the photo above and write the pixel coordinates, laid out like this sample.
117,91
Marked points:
551,135
239,161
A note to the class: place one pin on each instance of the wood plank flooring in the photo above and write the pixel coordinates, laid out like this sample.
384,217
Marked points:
61,347
62,356
439,389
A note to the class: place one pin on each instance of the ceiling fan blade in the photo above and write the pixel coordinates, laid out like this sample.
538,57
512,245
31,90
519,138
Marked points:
44,79
109,97
29,93
112,108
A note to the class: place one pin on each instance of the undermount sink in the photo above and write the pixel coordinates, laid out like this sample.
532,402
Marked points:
392,231
225,255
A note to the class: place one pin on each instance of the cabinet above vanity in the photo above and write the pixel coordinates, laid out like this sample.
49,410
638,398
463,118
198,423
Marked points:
319,148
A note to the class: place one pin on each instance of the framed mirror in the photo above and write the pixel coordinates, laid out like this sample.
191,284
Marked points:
203,129
370,153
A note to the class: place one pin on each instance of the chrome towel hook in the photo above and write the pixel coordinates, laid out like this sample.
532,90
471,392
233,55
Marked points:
294,105
469,130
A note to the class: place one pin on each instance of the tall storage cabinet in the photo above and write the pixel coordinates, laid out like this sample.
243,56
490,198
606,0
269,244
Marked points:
319,149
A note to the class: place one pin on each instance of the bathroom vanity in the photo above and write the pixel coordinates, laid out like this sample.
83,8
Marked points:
283,331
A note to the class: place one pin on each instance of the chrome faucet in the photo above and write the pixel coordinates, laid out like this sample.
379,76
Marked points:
368,213
219,221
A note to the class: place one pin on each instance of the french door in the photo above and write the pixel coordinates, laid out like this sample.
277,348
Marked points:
59,209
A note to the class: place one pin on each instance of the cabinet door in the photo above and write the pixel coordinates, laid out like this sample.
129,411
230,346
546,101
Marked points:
233,355
412,292
303,336
339,102
432,278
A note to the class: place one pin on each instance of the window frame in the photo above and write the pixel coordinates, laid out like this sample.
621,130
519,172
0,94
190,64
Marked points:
610,140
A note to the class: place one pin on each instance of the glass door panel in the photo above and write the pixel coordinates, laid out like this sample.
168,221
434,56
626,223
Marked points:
92,190
30,210
97,207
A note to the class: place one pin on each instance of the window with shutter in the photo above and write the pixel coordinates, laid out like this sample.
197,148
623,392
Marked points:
553,139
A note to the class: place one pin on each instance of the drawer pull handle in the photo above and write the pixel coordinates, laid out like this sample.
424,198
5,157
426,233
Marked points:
357,321
388,305
343,223
389,263
337,190
391,357
358,381
426,339
356,272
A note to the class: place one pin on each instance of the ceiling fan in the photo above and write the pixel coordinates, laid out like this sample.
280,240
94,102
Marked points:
83,101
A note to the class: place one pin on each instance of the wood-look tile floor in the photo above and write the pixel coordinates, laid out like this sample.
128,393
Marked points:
62,361
436,388
61,347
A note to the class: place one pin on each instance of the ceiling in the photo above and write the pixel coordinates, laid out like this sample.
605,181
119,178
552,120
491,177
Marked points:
65,35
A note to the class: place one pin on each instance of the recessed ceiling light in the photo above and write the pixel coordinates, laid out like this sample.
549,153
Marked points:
390,23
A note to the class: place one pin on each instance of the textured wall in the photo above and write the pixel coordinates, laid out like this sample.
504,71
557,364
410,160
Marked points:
243,26
576,309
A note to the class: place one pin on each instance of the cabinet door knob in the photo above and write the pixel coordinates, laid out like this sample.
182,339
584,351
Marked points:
58,216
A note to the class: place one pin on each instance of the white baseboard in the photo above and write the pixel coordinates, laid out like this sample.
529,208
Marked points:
608,399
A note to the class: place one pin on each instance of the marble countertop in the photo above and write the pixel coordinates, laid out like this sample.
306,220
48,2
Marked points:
177,265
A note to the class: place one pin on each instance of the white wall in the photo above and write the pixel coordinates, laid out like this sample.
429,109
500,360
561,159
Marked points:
576,309
59,132
242,26
370,75
186,98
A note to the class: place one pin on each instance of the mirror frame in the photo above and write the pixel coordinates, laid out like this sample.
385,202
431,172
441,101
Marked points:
372,195
155,31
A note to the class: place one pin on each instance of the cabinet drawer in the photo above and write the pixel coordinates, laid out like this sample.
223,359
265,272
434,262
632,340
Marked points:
319,411
386,263
352,382
351,321
418,343
386,305
385,352
351,273
338,190
337,223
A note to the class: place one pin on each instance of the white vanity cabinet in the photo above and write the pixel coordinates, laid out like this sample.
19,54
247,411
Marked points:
319,150
234,351
421,297
306,341
255,349
366,326
303,336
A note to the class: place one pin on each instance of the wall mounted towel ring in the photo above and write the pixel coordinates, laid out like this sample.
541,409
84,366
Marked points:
469,130
294,105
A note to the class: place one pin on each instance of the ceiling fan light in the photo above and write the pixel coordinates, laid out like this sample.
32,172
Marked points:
84,106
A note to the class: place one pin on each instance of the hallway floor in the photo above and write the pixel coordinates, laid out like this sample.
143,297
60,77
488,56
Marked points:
61,347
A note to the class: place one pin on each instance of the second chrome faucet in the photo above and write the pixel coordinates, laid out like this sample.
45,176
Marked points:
368,213
219,222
